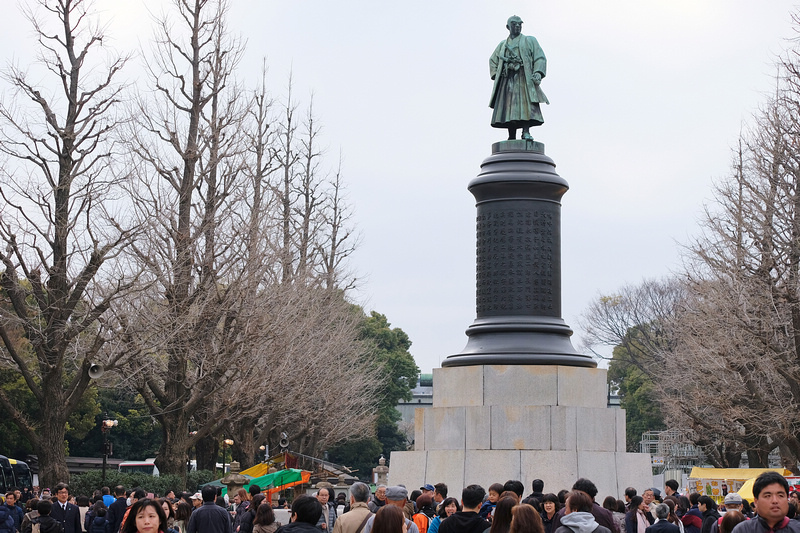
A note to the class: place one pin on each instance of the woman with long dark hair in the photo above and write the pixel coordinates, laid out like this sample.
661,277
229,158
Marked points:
168,511
672,503
146,516
182,513
501,523
264,521
526,520
246,524
389,519
638,519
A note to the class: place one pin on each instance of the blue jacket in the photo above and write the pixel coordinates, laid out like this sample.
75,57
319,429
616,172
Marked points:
486,509
98,525
6,520
17,514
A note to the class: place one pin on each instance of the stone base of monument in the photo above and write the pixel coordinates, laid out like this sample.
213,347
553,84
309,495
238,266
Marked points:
492,423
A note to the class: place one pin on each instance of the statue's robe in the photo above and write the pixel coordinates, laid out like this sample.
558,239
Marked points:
515,97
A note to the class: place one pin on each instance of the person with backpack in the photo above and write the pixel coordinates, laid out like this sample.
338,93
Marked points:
30,515
426,512
46,523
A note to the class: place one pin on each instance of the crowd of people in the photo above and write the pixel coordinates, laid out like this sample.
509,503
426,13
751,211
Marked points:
502,508
206,511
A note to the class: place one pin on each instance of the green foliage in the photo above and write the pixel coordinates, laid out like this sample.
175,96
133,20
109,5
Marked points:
636,392
361,455
137,436
87,483
79,424
82,420
12,442
392,354
197,478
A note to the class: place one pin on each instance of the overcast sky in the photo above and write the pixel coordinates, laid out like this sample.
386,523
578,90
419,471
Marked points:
647,99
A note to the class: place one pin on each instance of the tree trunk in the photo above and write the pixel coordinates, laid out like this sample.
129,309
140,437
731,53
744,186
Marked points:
207,450
172,456
244,447
758,458
51,449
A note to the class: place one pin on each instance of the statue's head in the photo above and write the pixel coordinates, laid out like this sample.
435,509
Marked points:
514,25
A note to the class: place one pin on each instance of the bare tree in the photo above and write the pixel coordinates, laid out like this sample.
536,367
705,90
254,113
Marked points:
731,349
637,318
318,381
316,364
338,240
187,149
739,327
61,237
235,319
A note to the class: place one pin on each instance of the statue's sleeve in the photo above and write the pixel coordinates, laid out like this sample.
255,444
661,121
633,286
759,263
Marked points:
539,60
494,61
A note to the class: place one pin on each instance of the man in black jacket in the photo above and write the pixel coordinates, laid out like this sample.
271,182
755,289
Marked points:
306,510
538,489
116,511
67,513
210,517
467,520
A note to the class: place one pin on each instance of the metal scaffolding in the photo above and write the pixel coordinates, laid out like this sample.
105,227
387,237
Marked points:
670,450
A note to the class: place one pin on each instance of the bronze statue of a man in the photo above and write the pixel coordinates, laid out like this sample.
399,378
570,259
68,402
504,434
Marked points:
517,67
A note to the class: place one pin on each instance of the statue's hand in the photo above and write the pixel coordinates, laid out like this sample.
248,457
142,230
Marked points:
537,78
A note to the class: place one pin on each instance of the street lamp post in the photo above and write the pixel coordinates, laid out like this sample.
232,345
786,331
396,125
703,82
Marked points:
225,444
105,427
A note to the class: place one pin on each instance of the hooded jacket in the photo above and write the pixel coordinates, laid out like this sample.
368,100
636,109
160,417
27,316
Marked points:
580,522
98,525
